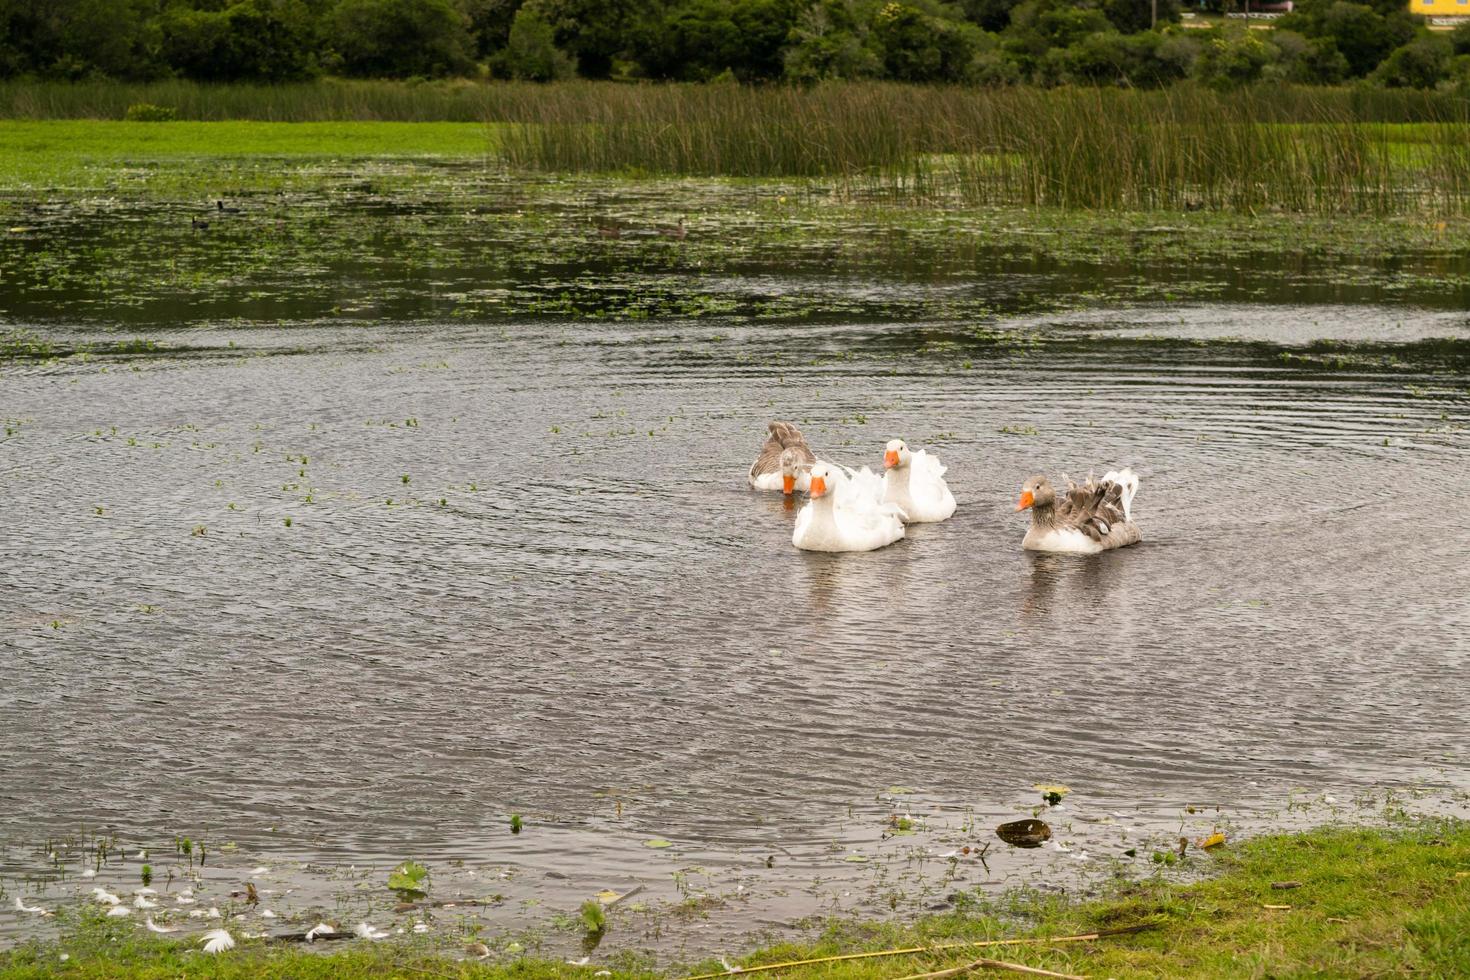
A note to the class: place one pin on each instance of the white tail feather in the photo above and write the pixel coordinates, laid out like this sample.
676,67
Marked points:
1127,482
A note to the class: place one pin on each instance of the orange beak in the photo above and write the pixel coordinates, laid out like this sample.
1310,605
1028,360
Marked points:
819,487
1026,500
788,483
890,459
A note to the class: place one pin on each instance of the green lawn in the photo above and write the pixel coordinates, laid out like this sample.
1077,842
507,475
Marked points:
1361,903
86,153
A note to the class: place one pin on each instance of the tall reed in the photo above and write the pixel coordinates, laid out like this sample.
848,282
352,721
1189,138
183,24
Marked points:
1312,150
1319,150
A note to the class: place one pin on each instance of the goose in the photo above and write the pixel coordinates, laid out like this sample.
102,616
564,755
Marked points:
845,513
915,483
1096,516
784,460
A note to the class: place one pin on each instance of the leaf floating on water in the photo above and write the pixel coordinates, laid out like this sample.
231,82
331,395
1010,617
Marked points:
656,842
1214,840
1024,833
856,859
899,791
409,877
607,896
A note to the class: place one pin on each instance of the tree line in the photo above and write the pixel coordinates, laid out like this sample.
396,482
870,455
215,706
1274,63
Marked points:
1134,43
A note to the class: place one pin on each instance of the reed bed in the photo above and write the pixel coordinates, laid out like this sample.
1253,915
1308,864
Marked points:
1316,150
1311,150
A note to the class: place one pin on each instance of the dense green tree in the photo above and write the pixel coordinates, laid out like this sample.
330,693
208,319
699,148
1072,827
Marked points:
1364,35
530,52
696,40
830,40
489,24
262,40
1132,16
1460,38
1229,62
1306,61
918,47
401,38
1143,60
74,39
1039,27
989,15
1422,63
598,32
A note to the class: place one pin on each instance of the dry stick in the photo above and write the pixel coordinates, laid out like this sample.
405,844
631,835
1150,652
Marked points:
991,965
1022,941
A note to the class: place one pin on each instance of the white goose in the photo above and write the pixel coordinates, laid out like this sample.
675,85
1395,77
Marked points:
1094,517
845,513
915,483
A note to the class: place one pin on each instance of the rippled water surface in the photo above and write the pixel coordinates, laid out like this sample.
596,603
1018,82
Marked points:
347,590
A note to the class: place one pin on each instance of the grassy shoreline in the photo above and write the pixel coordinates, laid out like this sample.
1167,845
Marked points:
1358,902
1328,151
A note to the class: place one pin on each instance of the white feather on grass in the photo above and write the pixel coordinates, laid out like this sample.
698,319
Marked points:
33,909
155,927
105,897
118,911
89,872
217,941
365,931
144,902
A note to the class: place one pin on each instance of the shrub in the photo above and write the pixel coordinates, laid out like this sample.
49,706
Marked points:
1422,63
148,112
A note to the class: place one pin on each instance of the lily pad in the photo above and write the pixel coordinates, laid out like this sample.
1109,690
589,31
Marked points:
657,842
1024,833
410,877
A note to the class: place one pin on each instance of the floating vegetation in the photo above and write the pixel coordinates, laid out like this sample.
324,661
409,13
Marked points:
409,879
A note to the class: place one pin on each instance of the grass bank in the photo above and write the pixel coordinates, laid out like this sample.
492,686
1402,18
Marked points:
85,153
1357,902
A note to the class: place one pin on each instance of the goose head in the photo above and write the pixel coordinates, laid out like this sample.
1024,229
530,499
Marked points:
791,464
1036,492
896,454
821,481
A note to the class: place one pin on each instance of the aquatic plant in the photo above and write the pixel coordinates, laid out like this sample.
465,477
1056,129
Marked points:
409,878
594,916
